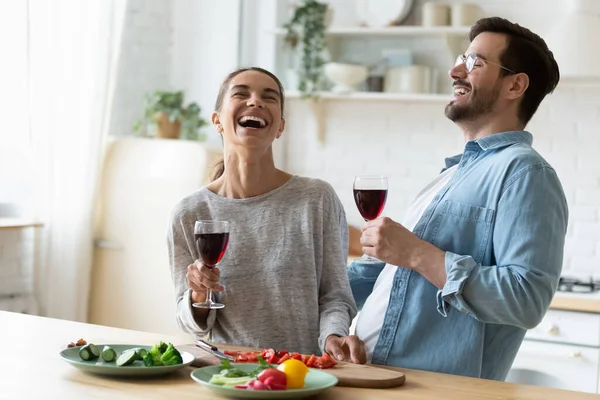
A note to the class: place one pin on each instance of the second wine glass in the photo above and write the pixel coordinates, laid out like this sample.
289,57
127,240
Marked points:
212,238
370,194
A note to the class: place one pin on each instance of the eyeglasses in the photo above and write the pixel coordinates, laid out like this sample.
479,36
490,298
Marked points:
470,59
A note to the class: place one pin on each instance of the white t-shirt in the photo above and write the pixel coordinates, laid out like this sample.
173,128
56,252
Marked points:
370,319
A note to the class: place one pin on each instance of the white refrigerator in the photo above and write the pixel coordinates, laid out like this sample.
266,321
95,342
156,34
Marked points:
141,181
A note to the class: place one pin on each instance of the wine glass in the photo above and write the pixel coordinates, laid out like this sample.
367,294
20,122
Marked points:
211,239
370,194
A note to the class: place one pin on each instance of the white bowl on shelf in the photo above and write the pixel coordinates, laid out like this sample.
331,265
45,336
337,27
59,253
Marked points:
345,76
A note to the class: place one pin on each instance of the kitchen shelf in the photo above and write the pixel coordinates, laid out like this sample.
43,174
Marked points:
378,96
455,38
405,30
317,105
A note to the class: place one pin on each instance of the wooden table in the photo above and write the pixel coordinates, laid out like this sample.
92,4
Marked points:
31,368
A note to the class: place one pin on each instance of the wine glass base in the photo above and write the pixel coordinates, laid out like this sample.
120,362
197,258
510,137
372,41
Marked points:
210,306
365,259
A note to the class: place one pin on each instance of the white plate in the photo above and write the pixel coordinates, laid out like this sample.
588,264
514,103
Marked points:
382,13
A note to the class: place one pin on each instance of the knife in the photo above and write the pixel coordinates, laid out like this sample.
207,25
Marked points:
212,349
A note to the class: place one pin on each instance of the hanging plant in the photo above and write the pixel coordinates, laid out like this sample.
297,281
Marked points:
307,28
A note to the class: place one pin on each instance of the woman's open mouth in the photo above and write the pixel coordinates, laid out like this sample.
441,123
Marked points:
252,122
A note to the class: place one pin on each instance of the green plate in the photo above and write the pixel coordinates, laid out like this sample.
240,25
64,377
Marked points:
315,382
100,367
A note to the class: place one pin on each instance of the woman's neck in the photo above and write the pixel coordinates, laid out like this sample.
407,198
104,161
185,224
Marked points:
246,176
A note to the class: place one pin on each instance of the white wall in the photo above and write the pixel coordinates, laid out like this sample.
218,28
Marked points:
145,60
408,143
205,50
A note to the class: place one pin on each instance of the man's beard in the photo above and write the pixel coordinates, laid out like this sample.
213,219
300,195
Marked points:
478,104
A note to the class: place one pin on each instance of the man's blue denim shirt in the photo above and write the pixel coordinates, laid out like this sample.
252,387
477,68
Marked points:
502,221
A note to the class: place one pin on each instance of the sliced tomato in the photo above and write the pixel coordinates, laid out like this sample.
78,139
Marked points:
230,352
311,361
283,358
327,361
297,356
282,353
273,359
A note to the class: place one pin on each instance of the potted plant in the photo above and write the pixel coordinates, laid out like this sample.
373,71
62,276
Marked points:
165,112
307,28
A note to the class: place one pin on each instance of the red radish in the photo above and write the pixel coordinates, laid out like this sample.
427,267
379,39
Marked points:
273,378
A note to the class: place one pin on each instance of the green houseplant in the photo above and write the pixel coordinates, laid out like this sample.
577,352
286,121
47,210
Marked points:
165,112
307,28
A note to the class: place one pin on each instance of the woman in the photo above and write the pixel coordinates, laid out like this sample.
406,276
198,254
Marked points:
282,279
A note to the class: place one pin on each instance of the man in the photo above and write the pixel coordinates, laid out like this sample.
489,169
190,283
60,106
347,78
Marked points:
477,259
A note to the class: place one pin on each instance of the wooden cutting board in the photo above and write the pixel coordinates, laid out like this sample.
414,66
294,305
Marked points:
351,375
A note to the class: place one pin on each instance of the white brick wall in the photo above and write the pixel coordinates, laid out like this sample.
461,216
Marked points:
408,143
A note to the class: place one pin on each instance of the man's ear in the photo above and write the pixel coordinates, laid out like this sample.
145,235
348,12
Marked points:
518,85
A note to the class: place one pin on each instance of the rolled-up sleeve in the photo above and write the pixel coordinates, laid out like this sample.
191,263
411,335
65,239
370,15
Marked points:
528,242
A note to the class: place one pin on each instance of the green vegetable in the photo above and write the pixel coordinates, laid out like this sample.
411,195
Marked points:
148,361
162,354
86,353
94,350
109,354
127,357
171,356
221,380
262,365
229,371
140,352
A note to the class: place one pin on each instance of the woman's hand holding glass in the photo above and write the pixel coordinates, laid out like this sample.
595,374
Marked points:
201,278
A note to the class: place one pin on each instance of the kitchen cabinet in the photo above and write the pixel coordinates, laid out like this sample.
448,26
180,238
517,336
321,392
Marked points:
563,351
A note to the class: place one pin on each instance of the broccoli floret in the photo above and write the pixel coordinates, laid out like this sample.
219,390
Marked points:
155,354
171,356
162,347
162,354
148,361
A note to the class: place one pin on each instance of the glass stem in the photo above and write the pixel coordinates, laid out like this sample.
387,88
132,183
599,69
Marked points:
209,295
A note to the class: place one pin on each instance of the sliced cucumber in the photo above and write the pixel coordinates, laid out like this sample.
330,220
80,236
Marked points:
140,352
89,352
109,354
127,357
94,350
85,353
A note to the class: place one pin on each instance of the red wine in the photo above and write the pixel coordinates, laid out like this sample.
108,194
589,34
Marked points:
211,247
370,202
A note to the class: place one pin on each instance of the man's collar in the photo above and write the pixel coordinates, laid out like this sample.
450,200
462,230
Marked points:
492,142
